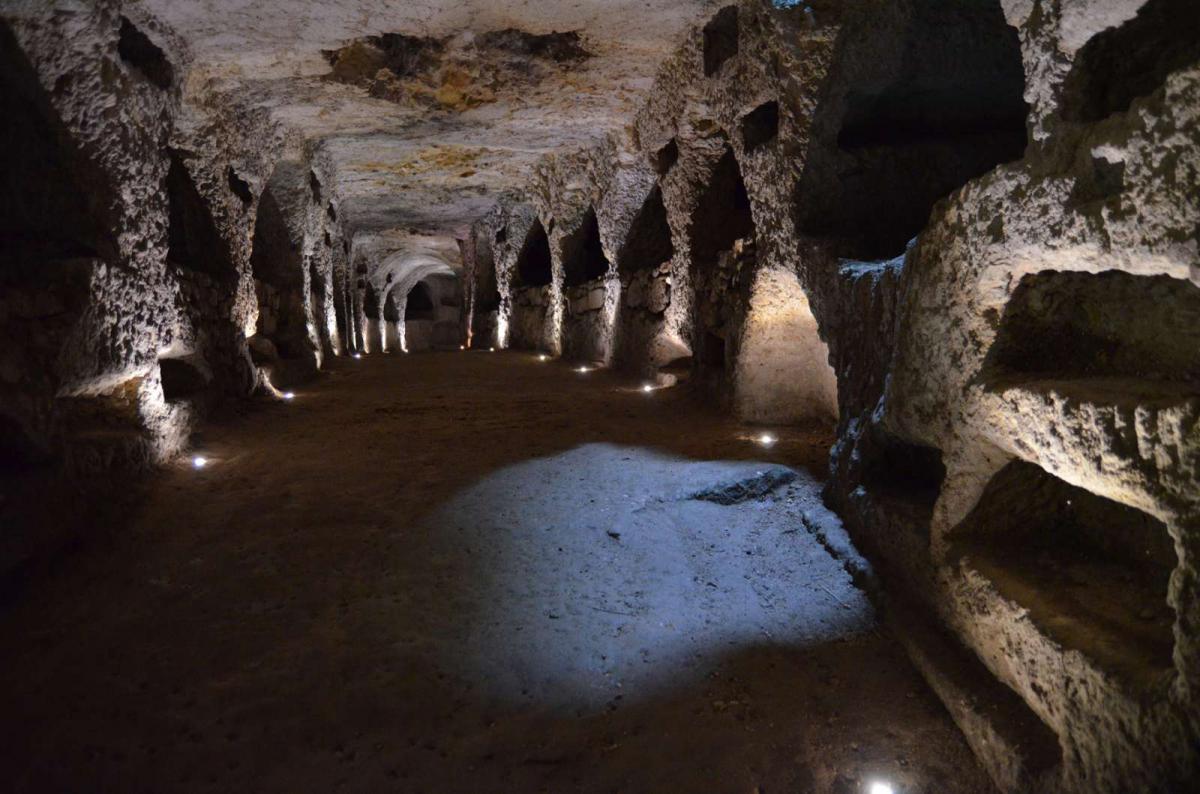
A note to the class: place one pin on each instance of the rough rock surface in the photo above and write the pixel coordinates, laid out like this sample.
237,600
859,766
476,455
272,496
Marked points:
966,233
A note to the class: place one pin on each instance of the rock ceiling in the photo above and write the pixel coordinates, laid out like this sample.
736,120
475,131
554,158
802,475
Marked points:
427,111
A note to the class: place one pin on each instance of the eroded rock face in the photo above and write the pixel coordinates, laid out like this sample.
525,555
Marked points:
966,233
1040,323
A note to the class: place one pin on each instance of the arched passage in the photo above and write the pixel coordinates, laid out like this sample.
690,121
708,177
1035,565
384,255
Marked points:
486,307
277,263
533,261
419,304
583,253
644,267
530,289
586,327
722,236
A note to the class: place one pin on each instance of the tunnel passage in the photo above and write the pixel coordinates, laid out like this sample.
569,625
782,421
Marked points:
583,254
487,294
1092,572
923,97
723,257
419,305
533,261
278,268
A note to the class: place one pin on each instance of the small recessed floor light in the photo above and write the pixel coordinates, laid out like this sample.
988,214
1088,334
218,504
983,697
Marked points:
647,388
199,462
357,355
766,439
880,788
583,369
543,357
462,347
491,350
289,395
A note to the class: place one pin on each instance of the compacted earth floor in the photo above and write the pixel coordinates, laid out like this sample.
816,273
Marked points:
468,572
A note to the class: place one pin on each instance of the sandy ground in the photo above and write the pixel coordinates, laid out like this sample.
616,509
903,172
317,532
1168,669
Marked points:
467,572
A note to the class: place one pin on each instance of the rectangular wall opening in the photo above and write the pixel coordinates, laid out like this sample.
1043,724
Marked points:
1092,573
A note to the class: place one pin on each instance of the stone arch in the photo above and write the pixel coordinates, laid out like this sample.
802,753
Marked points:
533,268
723,257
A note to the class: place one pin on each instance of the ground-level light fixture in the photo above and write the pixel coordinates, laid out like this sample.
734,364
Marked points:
766,439
357,355
543,357
582,370
879,787
491,350
289,395
199,462
647,388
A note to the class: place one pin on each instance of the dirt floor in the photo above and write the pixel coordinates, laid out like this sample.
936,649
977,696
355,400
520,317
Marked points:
468,572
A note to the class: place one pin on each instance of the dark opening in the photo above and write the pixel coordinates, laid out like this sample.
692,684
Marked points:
722,214
583,255
391,313
274,257
239,186
720,39
922,102
533,263
420,304
488,298
53,204
760,126
371,302
194,242
331,212
501,235
664,158
314,185
648,243
1100,325
1093,573
181,379
144,55
328,240
722,236
1132,60
898,469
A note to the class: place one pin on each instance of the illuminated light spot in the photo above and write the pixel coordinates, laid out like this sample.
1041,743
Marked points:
289,395
491,350
880,788
647,388
199,462
462,347
543,357
766,439
582,370
357,355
